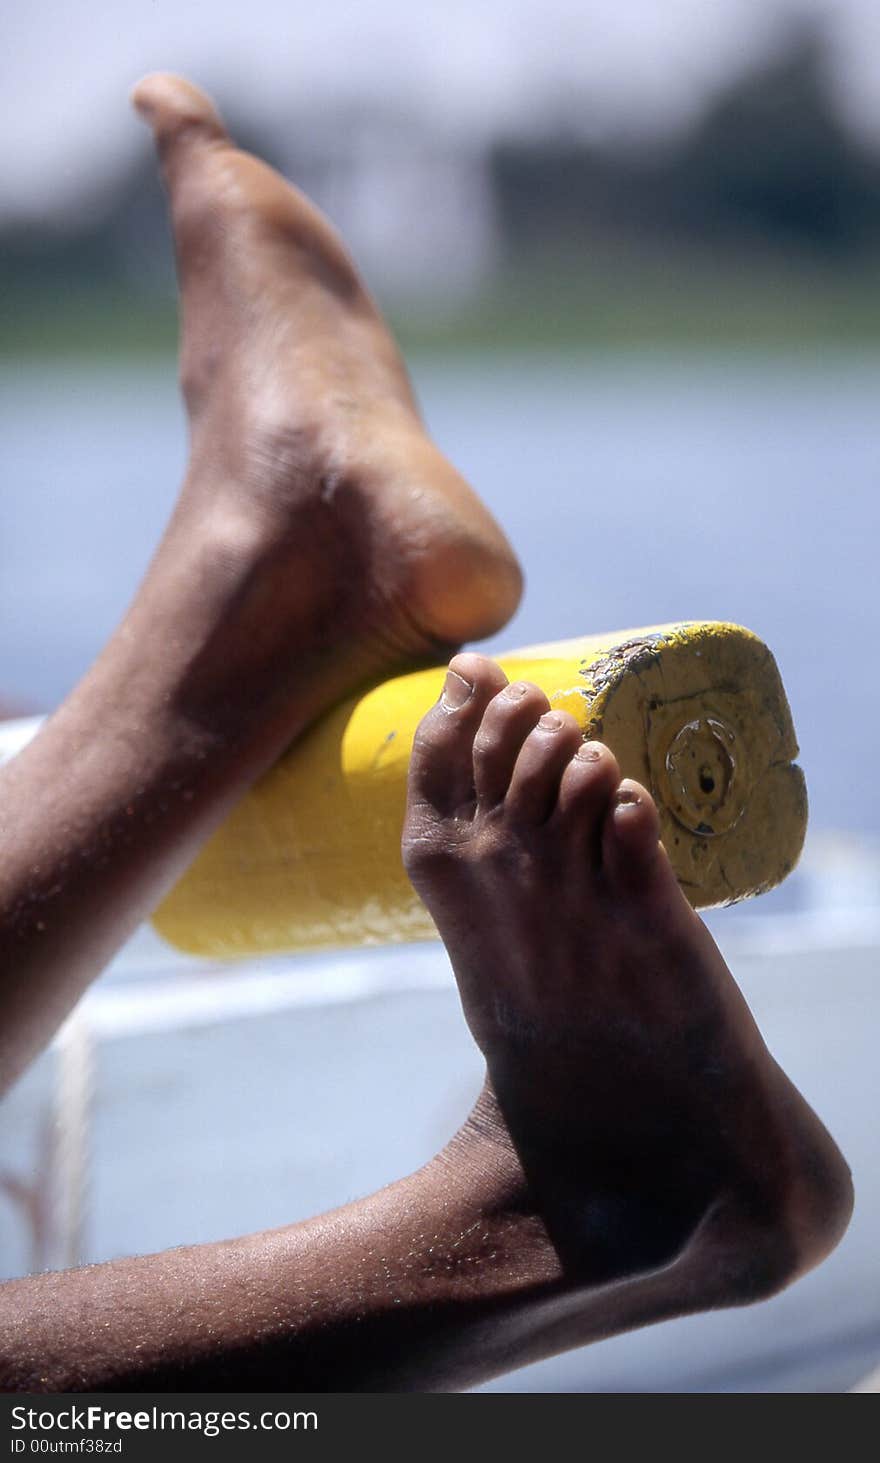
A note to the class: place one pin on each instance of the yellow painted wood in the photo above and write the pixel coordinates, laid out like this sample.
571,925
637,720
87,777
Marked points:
696,712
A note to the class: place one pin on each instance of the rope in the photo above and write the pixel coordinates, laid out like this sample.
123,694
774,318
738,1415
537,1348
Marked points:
70,1166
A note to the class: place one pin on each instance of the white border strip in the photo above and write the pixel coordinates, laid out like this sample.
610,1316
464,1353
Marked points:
186,1000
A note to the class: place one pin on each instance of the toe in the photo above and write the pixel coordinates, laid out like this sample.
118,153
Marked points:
534,785
631,848
441,772
180,114
588,784
508,720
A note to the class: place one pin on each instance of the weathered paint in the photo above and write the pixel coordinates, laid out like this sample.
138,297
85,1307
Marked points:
697,712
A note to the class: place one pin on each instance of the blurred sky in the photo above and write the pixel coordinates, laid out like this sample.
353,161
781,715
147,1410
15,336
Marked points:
65,68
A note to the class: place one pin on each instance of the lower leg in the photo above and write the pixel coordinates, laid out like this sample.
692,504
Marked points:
320,540
635,1155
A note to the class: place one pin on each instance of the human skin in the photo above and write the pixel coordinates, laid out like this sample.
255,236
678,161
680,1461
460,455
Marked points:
321,541
625,1066
635,1154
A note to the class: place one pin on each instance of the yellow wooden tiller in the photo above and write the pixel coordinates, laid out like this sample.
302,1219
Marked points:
311,856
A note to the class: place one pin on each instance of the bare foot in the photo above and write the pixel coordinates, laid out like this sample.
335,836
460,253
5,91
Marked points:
344,536
652,1126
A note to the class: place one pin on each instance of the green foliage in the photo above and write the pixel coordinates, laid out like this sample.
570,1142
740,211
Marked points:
758,227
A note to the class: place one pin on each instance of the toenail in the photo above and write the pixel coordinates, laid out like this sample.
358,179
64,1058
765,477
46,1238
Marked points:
516,691
456,691
589,752
626,795
551,721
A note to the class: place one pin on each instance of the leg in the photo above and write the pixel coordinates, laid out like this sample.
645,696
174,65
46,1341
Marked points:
635,1155
320,540
654,1130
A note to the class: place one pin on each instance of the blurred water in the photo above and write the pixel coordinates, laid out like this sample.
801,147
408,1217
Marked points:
636,489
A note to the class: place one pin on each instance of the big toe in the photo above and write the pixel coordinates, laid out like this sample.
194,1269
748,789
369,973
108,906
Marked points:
179,113
441,771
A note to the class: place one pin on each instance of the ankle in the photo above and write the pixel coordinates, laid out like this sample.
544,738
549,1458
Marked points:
482,1153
